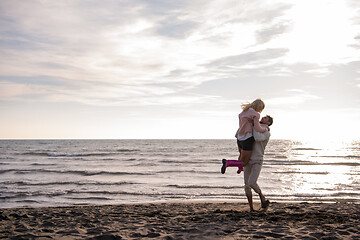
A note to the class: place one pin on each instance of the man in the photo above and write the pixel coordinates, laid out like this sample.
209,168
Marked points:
252,168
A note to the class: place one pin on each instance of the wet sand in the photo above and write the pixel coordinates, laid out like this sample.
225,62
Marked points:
197,220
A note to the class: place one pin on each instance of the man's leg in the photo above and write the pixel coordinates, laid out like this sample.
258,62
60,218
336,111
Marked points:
247,172
256,169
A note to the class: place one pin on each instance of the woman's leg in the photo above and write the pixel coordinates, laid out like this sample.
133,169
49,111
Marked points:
245,157
246,150
239,153
231,163
240,168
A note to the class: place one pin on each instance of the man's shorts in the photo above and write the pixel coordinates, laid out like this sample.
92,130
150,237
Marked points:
247,144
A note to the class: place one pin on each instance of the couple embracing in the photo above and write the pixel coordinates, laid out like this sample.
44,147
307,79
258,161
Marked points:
252,137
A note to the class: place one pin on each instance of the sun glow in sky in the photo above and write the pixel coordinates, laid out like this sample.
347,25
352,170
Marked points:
178,69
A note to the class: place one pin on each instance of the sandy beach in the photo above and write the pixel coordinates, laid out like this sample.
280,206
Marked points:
197,220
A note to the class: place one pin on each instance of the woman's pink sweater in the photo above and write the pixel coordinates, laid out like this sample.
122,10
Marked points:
247,120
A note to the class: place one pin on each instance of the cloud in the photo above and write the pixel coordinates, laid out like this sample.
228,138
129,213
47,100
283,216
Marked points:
111,32
175,28
22,92
291,98
320,36
141,52
35,80
158,59
261,12
355,6
51,89
267,33
245,62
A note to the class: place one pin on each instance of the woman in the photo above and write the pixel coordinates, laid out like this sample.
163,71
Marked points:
249,118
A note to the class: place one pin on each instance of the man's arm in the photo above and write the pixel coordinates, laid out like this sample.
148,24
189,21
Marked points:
261,136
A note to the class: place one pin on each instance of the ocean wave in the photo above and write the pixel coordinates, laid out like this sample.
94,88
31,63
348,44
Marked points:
79,155
22,183
90,198
341,156
15,195
299,162
76,172
280,157
189,171
188,161
70,172
203,187
351,164
100,195
91,173
35,153
46,154
43,164
130,159
325,189
345,194
289,162
81,192
128,150
78,196
21,195
27,201
153,194
297,172
306,149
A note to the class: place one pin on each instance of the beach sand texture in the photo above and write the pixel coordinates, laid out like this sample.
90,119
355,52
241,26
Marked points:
197,220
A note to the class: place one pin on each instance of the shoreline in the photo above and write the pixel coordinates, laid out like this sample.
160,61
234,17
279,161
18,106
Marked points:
183,220
191,201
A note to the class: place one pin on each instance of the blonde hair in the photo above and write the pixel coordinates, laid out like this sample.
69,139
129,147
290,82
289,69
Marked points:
258,105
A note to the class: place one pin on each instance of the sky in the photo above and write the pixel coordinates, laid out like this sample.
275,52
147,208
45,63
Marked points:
150,69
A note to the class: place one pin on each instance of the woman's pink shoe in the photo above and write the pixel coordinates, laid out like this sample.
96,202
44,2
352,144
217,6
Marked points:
240,170
231,163
223,168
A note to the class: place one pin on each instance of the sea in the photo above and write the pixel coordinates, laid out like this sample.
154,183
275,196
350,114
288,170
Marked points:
46,173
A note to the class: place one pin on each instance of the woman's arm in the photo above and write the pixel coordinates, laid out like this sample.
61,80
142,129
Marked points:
257,125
